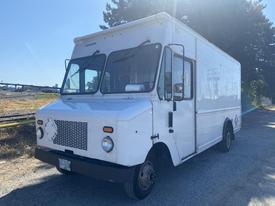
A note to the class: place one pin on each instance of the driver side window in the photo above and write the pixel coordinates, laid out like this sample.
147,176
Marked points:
187,80
178,86
175,86
164,88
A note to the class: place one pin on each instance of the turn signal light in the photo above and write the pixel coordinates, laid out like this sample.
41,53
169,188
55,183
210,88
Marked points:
108,129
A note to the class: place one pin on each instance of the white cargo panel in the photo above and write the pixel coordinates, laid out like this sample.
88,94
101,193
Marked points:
218,86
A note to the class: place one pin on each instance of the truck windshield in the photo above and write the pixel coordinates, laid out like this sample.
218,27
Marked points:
83,75
131,70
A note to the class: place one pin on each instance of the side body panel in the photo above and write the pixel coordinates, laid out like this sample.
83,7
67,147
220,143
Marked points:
218,94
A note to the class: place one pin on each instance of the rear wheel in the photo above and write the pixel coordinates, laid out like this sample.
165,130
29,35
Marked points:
226,142
143,181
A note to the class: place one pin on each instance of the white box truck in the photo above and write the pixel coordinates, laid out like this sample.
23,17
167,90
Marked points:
134,93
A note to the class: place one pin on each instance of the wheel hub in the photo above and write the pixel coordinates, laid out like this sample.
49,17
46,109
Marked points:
146,176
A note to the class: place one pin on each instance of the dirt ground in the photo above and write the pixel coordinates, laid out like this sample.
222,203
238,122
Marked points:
21,171
17,164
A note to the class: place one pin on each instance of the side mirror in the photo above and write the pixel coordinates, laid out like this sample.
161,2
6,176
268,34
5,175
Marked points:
178,88
178,91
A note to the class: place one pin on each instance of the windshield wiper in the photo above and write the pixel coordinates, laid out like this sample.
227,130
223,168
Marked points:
143,43
133,53
94,54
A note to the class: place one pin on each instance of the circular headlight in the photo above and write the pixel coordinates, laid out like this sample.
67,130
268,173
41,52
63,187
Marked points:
107,144
39,133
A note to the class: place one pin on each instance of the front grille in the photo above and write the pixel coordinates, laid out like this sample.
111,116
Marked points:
71,134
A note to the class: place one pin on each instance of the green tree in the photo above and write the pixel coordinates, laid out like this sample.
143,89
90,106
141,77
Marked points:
239,27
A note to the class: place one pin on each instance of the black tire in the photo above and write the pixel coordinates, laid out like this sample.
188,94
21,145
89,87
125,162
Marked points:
143,181
64,172
228,136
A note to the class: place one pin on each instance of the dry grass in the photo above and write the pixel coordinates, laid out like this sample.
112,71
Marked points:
26,104
18,141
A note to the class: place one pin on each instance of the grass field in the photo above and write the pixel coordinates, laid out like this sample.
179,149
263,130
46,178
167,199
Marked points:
20,140
26,103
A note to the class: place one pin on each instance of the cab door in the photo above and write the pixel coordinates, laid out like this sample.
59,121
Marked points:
175,111
183,116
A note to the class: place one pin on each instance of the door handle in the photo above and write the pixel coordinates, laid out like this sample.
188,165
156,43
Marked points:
174,106
170,119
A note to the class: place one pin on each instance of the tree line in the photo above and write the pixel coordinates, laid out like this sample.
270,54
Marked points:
239,27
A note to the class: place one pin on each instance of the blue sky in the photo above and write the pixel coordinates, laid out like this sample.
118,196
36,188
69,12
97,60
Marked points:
36,36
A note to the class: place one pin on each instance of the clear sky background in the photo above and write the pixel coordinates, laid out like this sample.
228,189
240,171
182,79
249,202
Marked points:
37,36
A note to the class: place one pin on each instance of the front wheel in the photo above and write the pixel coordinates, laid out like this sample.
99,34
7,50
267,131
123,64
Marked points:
143,181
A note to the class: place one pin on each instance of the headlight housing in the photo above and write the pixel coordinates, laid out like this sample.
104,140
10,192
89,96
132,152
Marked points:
39,133
107,144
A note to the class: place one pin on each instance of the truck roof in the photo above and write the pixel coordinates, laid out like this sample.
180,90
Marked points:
160,16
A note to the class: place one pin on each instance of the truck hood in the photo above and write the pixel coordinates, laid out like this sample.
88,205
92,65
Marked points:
77,125
115,109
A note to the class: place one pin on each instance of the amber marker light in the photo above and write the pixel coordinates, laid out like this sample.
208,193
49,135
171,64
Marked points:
108,129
